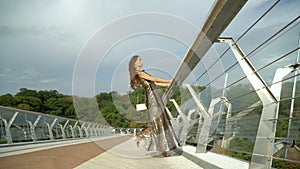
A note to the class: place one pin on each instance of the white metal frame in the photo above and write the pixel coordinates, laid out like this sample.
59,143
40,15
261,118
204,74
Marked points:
184,125
206,118
270,97
7,126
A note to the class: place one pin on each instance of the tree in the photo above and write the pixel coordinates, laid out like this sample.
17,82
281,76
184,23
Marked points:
7,100
27,92
45,95
60,107
34,102
103,99
113,117
86,108
24,106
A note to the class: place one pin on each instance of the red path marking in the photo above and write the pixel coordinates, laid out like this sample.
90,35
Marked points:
61,157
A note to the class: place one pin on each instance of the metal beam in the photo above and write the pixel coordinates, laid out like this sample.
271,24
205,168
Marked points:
183,116
221,15
169,113
200,105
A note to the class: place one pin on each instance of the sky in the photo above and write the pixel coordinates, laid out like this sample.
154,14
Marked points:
82,47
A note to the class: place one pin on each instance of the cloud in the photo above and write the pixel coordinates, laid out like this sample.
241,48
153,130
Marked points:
55,31
48,80
21,76
26,76
8,30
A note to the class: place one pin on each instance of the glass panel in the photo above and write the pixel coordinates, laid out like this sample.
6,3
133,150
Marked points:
30,126
236,117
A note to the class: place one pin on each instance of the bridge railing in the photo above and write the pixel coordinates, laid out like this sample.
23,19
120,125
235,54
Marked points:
249,98
25,126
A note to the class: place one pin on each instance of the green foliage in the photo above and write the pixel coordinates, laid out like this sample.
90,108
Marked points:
7,100
60,107
34,102
242,96
242,144
113,117
49,102
24,106
103,99
27,92
279,164
138,96
243,156
86,108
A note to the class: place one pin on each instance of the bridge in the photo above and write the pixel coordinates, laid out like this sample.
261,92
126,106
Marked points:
246,114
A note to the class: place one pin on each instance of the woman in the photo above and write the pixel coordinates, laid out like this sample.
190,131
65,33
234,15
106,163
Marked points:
162,137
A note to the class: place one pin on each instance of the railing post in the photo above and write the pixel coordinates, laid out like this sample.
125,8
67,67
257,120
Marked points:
91,130
185,124
108,130
263,148
95,129
50,127
169,114
7,127
33,126
83,129
99,130
80,132
63,129
264,143
87,129
228,126
207,127
105,131
73,128
203,132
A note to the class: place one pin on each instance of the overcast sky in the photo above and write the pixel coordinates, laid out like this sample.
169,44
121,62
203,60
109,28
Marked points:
42,43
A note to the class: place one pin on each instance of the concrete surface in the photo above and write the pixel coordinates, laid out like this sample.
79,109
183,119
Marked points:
128,156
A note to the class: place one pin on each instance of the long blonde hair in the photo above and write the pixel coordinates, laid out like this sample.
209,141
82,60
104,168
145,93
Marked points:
134,79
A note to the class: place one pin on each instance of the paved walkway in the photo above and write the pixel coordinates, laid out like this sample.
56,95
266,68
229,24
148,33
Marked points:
128,156
115,153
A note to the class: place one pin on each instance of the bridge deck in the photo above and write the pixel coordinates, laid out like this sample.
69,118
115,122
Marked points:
107,152
111,152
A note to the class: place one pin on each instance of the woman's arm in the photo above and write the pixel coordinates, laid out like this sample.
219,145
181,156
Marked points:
156,80
162,84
